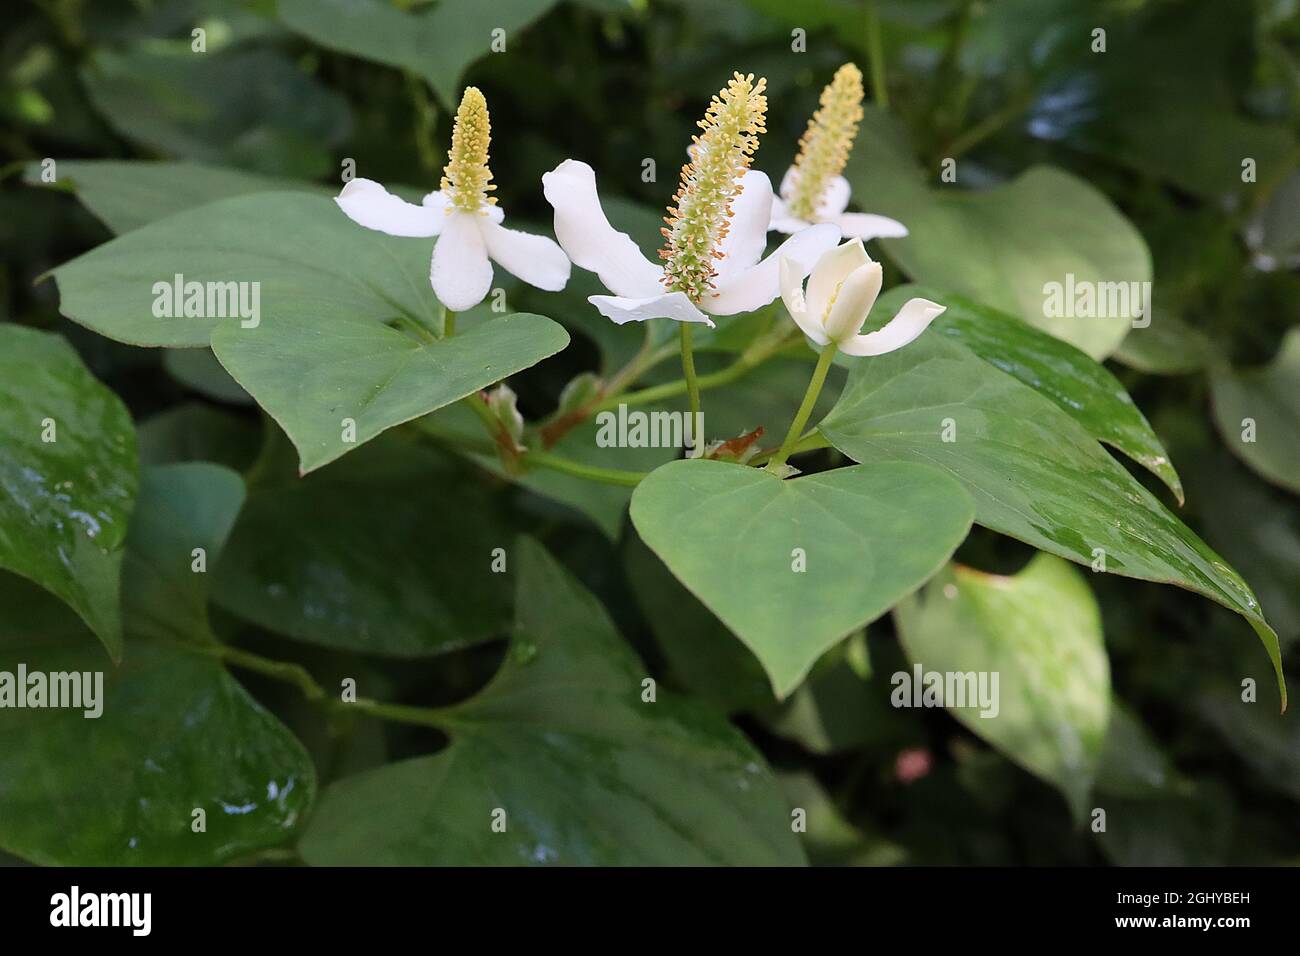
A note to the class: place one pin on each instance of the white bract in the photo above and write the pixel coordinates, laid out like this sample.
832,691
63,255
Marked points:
841,291
465,219
831,203
741,282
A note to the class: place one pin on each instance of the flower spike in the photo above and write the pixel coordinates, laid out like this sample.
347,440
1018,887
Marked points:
466,179
825,145
814,189
700,216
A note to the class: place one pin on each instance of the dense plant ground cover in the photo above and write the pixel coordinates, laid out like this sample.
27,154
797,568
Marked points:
377,568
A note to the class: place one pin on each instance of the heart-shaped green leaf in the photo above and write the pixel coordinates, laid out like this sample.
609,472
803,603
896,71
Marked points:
1038,635
1079,386
68,476
563,759
792,567
1258,413
175,733
1002,246
303,253
350,378
1032,470
126,195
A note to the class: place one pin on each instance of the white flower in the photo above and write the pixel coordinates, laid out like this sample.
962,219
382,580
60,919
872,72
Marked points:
841,291
742,282
830,208
812,190
466,221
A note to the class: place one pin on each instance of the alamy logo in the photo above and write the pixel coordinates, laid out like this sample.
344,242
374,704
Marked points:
923,688
639,429
208,300
103,909
1085,299
78,690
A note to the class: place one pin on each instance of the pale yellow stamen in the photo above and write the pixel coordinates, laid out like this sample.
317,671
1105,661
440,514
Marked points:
701,212
825,146
466,178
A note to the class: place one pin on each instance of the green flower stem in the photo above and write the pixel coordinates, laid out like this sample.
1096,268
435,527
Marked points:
876,56
540,459
608,476
805,408
448,323
284,671
295,674
811,441
759,352
419,329
479,406
688,371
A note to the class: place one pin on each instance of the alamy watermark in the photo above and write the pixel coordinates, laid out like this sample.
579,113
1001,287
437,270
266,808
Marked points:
635,428
78,690
1085,299
208,300
922,688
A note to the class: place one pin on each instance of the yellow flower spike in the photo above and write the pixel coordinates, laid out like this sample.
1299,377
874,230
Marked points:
824,148
466,178
701,212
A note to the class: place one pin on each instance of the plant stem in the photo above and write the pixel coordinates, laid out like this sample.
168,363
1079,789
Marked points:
876,56
688,370
448,323
805,408
809,442
759,352
608,476
420,330
541,459
972,137
297,675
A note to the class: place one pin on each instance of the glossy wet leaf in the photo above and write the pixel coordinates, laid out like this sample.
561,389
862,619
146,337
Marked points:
736,536
388,552
343,272
1033,472
582,770
1258,414
437,42
176,732
246,106
1079,386
68,476
354,378
1040,632
1001,246
126,195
